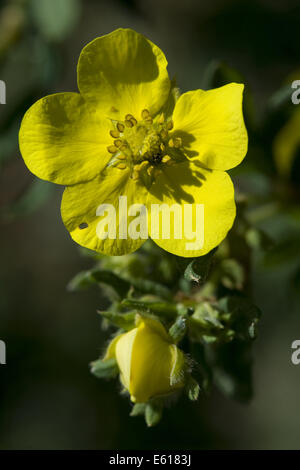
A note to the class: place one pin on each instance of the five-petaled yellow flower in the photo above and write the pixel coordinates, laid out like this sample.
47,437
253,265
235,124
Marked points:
128,132
150,364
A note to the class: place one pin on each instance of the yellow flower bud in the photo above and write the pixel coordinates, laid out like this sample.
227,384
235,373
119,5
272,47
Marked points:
149,363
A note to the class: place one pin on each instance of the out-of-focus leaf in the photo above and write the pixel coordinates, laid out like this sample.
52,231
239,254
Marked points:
198,269
283,253
55,18
258,240
31,200
281,98
105,369
232,274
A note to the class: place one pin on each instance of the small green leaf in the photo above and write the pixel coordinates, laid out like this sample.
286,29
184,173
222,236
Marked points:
241,315
178,329
197,270
163,309
86,278
126,321
150,287
105,369
192,388
153,412
232,274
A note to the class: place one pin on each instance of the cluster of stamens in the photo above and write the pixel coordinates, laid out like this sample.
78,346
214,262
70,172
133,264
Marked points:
144,145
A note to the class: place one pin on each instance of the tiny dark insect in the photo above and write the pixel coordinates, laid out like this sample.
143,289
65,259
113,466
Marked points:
83,225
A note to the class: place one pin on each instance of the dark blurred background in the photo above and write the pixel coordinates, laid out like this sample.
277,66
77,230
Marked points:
48,398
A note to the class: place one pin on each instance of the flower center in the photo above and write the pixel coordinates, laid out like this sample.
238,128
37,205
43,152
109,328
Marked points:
144,145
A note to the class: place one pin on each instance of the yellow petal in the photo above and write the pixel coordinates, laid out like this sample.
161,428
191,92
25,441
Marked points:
111,349
189,184
64,141
80,211
211,126
124,355
124,73
286,143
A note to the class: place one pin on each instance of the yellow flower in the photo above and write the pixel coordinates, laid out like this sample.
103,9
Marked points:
150,365
129,133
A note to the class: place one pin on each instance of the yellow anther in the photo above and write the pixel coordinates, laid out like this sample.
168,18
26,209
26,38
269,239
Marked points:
134,121
164,134
145,114
118,143
170,125
121,156
112,149
128,123
121,166
120,127
162,147
128,117
141,166
171,143
149,120
150,170
114,134
166,159
135,175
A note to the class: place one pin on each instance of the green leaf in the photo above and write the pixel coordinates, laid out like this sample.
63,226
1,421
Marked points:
153,412
87,278
55,18
178,329
126,321
150,287
163,309
105,369
138,409
241,315
192,388
197,270
232,274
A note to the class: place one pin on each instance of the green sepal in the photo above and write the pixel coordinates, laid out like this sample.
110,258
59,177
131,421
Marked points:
153,412
107,369
138,409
